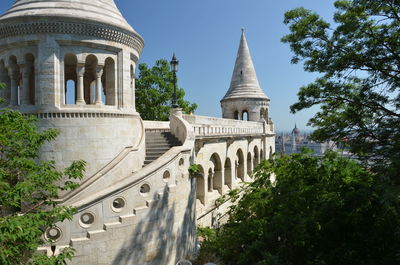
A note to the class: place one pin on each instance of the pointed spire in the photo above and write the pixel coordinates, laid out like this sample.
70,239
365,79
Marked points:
244,83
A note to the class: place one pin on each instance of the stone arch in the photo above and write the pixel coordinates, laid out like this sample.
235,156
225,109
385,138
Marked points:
29,80
70,78
263,114
217,174
5,78
89,78
249,164
245,115
236,115
256,159
200,185
109,81
239,164
228,173
14,73
262,154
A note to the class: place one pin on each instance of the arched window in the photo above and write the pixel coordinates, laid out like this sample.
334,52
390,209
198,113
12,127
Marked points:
70,78
256,159
236,115
217,178
29,80
108,80
240,164
228,173
249,164
14,73
89,79
245,115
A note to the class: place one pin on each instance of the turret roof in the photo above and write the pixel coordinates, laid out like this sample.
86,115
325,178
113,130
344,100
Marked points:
103,11
244,83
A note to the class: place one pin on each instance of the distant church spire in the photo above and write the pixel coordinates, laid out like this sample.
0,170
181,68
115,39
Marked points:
244,83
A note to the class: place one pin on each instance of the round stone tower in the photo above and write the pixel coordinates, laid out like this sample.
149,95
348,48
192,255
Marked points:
72,63
245,100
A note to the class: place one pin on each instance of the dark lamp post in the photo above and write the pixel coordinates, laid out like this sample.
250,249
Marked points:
174,68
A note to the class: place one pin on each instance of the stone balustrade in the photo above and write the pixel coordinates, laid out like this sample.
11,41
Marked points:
210,126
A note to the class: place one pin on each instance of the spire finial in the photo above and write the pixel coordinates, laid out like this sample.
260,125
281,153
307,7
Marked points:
242,29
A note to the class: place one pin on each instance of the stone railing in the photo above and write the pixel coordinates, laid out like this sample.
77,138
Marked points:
209,126
157,126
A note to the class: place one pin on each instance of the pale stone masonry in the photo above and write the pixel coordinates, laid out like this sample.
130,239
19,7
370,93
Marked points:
72,64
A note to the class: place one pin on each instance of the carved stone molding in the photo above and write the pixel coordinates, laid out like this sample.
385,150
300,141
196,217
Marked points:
100,31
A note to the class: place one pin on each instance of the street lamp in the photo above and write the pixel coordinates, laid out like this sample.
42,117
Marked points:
174,68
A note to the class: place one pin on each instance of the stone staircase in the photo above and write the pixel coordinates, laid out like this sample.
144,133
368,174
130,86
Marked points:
157,143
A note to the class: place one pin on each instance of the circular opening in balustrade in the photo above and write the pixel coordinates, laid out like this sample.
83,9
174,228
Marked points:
181,162
145,189
86,219
118,204
53,234
166,176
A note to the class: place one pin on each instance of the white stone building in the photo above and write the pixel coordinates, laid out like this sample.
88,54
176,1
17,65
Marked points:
137,203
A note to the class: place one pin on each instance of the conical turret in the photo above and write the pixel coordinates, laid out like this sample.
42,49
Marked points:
244,83
245,99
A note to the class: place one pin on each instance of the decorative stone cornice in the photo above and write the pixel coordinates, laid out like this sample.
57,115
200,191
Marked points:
99,30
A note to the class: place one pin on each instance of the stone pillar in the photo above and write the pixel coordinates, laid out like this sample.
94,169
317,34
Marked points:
80,71
13,73
25,82
99,73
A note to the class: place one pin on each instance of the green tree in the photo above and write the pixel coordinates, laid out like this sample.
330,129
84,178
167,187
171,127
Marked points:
358,91
154,92
29,189
322,211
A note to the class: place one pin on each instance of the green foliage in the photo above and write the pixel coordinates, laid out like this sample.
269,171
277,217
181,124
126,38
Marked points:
326,210
193,169
154,92
29,190
358,93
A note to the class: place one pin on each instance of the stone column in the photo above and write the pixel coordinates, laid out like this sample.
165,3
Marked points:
25,82
80,71
99,73
13,73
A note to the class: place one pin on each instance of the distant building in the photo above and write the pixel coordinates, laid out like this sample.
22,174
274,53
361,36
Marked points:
294,142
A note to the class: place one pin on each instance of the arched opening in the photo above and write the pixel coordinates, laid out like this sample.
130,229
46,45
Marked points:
108,80
228,173
5,79
263,115
262,155
14,73
249,164
256,159
239,165
210,180
200,185
29,80
236,115
70,77
217,178
89,79
245,115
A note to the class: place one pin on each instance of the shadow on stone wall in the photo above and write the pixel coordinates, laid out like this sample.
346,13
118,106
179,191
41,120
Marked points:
160,237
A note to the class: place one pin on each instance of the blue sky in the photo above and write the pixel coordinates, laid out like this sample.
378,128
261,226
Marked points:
205,36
